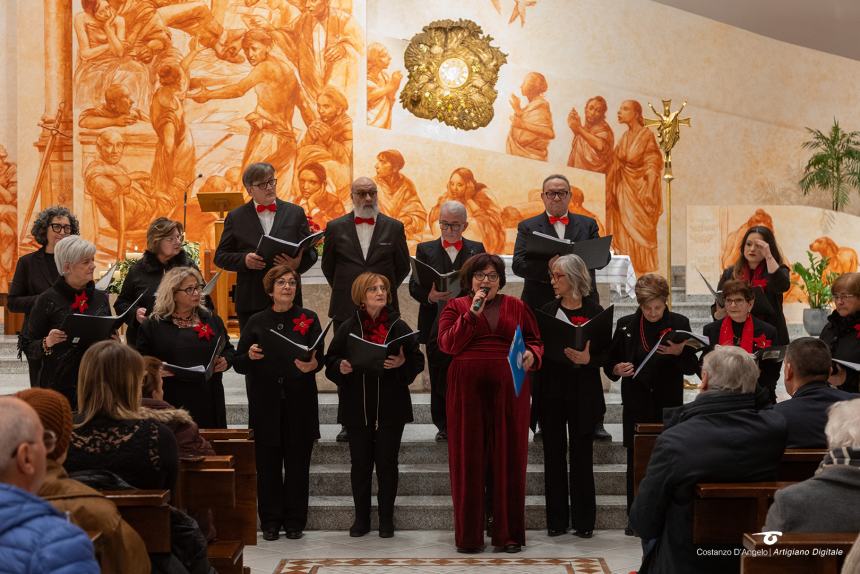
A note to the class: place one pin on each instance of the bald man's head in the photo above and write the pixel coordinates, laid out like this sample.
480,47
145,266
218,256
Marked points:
21,434
364,197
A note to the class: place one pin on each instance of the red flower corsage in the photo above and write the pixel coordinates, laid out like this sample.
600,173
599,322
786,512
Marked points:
302,324
664,332
204,331
80,303
761,342
314,226
577,321
857,328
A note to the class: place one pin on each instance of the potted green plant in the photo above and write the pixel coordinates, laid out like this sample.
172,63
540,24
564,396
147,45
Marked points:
816,285
834,166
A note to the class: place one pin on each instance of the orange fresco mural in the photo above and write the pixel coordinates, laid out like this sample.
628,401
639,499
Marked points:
483,211
531,125
398,197
8,217
593,141
381,86
841,259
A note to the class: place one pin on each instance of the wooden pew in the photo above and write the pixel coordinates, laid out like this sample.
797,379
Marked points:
227,434
795,553
239,522
722,512
147,512
644,439
12,322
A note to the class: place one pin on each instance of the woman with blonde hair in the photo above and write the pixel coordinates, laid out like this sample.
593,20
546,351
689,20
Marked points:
182,332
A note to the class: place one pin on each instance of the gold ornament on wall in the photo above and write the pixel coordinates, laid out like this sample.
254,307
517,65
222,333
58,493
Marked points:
453,71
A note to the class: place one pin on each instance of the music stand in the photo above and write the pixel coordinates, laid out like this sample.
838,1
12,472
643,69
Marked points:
221,202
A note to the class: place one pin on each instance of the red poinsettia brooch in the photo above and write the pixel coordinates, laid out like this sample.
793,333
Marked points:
664,332
314,226
302,324
80,303
577,321
204,331
761,342
857,328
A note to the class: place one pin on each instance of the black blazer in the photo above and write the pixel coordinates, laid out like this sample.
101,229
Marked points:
842,335
242,232
342,259
432,253
537,290
806,414
768,300
34,274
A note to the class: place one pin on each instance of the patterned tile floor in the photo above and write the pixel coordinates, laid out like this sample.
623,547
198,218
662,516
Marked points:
431,552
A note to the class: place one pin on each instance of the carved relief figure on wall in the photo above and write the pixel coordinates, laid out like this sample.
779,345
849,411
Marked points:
272,138
531,126
398,197
8,218
634,199
381,86
103,58
593,141
328,140
317,196
482,209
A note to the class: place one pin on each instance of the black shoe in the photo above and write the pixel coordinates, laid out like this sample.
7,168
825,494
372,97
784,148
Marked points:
538,436
294,534
512,548
386,531
466,550
629,531
556,532
358,530
342,436
583,533
270,534
441,436
601,434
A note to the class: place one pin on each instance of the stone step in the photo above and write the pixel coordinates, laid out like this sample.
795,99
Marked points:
437,512
435,480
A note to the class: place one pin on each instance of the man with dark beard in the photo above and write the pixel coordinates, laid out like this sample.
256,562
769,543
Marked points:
593,141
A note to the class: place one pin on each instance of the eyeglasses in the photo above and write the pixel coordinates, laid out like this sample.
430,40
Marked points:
191,290
175,238
60,228
844,296
377,288
557,276
367,194
556,194
731,302
49,439
286,283
445,226
491,277
267,184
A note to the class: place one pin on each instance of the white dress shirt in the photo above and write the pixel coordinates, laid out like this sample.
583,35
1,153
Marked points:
267,219
558,226
452,252
365,232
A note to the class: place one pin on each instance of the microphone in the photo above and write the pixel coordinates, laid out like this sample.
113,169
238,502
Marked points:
476,306
185,200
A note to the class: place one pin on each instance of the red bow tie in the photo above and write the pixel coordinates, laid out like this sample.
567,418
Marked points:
271,207
367,220
563,219
458,245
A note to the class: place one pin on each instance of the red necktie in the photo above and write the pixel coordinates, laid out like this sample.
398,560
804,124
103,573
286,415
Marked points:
458,245
271,207
367,220
563,219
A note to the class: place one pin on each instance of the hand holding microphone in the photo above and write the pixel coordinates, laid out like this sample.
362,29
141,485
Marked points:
478,300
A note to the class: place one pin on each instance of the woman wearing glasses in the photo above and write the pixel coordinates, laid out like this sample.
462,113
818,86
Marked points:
182,332
842,332
376,404
282,403
488,422
37,271
163,252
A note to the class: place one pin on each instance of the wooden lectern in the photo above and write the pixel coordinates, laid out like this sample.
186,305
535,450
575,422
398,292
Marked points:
221,202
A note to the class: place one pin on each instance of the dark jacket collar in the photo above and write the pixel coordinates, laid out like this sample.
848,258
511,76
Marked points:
66,290
810,388
151,263
716,402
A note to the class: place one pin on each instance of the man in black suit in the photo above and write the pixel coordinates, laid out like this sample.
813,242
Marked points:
244,226
362,240
445,254
557,220
807,367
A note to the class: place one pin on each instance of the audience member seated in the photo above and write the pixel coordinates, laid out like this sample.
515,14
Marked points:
179,421
121,550
722,436
34,537
112,434
807,367
828,501
842,329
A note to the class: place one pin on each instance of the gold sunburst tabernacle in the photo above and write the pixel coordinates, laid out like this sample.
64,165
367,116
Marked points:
453,71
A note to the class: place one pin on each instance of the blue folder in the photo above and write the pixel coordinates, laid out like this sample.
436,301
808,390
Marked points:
515,360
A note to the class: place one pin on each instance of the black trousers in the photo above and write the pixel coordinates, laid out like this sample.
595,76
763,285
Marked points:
34,366
438,386
629,479
569,493
335,325
370,447
283,478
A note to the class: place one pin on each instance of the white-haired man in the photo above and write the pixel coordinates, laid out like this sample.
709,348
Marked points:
34,537
445,254
726,435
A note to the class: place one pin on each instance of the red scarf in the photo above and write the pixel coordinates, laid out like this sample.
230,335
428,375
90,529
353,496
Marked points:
857,328
577,320
375,330
727,334
757,278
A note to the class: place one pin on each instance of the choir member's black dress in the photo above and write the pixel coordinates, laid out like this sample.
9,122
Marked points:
284,413
60,366
572,399
187,347
376,407
768,289
842,334
34,274
659,385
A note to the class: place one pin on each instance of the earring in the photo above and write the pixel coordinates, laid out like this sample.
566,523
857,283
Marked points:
362,306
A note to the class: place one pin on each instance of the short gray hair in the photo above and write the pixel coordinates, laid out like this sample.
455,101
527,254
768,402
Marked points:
18,424
454,207
577,273
730,369
39,231
257,173
72,249
843,424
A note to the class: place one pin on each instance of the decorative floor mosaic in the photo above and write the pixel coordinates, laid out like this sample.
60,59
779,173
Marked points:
482,565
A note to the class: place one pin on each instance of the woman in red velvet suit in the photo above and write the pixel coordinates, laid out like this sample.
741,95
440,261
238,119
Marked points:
488,424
